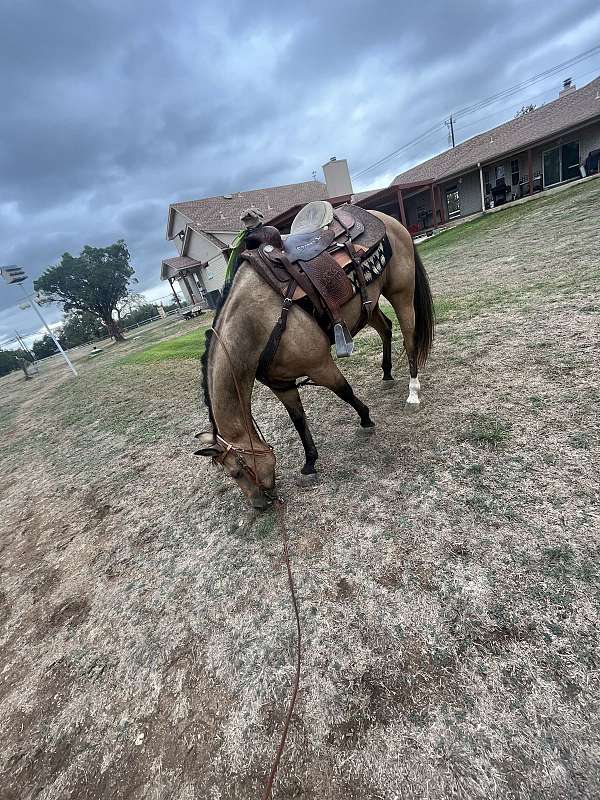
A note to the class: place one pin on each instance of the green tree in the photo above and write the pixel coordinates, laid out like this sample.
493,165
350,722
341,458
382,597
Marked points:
44,347
524,110
8,361
140,314
95,282
81,327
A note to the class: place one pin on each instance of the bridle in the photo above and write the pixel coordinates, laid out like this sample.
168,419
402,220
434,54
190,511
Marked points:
240,452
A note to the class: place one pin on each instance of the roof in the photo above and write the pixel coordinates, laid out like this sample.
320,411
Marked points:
223,213
566,112
170,267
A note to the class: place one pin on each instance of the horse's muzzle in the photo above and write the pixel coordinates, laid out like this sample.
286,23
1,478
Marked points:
265,499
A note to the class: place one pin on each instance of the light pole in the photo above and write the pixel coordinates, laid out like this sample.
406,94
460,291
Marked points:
15,274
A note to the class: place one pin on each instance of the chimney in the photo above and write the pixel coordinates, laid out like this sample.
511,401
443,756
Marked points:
337,177
568,87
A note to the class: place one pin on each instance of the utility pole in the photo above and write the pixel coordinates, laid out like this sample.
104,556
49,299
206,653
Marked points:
450,126
15,274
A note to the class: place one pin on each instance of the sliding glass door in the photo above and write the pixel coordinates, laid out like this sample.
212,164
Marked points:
552,167
561,163
570,160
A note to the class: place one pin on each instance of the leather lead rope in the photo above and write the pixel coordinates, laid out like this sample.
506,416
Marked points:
280,508
296,684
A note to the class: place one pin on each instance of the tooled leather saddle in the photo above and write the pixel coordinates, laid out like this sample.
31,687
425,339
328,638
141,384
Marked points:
329,256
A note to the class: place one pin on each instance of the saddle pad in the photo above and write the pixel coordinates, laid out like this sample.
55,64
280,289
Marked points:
372,266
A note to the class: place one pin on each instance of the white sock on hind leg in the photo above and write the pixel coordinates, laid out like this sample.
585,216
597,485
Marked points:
414,387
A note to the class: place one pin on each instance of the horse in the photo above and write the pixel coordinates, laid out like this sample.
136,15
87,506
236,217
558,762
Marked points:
246,316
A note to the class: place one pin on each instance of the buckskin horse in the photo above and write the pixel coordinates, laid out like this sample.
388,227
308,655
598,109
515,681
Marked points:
330,272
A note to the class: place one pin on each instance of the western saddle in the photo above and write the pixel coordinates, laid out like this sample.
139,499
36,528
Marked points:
328,256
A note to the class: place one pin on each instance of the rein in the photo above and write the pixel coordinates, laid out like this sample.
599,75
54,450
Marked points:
280,508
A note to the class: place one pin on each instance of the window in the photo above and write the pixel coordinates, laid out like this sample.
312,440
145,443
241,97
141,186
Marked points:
570,160
499,172
453,202
561,163
514,168
486,180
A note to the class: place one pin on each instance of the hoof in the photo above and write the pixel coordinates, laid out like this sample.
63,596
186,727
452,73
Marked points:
388,383
367,431
308,480
412,408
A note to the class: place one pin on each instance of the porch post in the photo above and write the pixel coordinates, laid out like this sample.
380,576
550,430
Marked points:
174,292
442,213
433,208
401,208
481,187
530,170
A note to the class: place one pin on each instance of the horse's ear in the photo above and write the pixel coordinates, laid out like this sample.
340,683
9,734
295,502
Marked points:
208,445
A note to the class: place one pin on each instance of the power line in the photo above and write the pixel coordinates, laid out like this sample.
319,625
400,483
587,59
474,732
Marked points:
417,140
470,109
525,83
550,93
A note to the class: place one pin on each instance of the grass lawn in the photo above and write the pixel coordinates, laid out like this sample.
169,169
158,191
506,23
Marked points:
189,345
468,231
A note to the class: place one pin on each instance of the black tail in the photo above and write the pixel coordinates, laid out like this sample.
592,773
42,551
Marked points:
424,312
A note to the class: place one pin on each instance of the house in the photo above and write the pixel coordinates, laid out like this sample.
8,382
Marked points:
204,230
550,145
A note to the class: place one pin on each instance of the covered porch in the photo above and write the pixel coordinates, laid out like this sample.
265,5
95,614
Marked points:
187,272
420,207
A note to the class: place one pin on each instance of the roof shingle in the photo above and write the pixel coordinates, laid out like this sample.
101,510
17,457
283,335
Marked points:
568,111
223,213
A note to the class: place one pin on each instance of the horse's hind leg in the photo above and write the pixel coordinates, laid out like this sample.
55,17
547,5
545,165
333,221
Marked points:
383,326
402,303
293,404
328,375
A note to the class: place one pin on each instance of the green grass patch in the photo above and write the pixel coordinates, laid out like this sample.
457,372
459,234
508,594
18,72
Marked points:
468,231
189,346
485,430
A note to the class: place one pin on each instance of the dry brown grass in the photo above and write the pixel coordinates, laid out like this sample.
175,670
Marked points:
447,567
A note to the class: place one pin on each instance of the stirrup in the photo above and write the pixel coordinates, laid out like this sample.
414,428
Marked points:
343,341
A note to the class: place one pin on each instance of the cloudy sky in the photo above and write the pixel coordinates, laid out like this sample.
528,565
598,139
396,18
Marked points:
112,110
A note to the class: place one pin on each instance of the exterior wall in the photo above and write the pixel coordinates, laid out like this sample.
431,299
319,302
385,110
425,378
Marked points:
468,184
214,274
200,248
225,236
179,223
414,203
589,139
337,178
469,192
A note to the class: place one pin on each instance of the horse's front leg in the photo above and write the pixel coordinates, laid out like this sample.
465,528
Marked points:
293,404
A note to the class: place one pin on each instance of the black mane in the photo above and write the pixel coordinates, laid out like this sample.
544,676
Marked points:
208,339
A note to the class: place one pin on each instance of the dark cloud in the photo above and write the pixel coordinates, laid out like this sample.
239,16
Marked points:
112,110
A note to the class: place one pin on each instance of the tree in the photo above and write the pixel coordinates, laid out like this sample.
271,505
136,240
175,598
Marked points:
141,314
81,327
94,282
8,361
129,304
44,347
524,110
